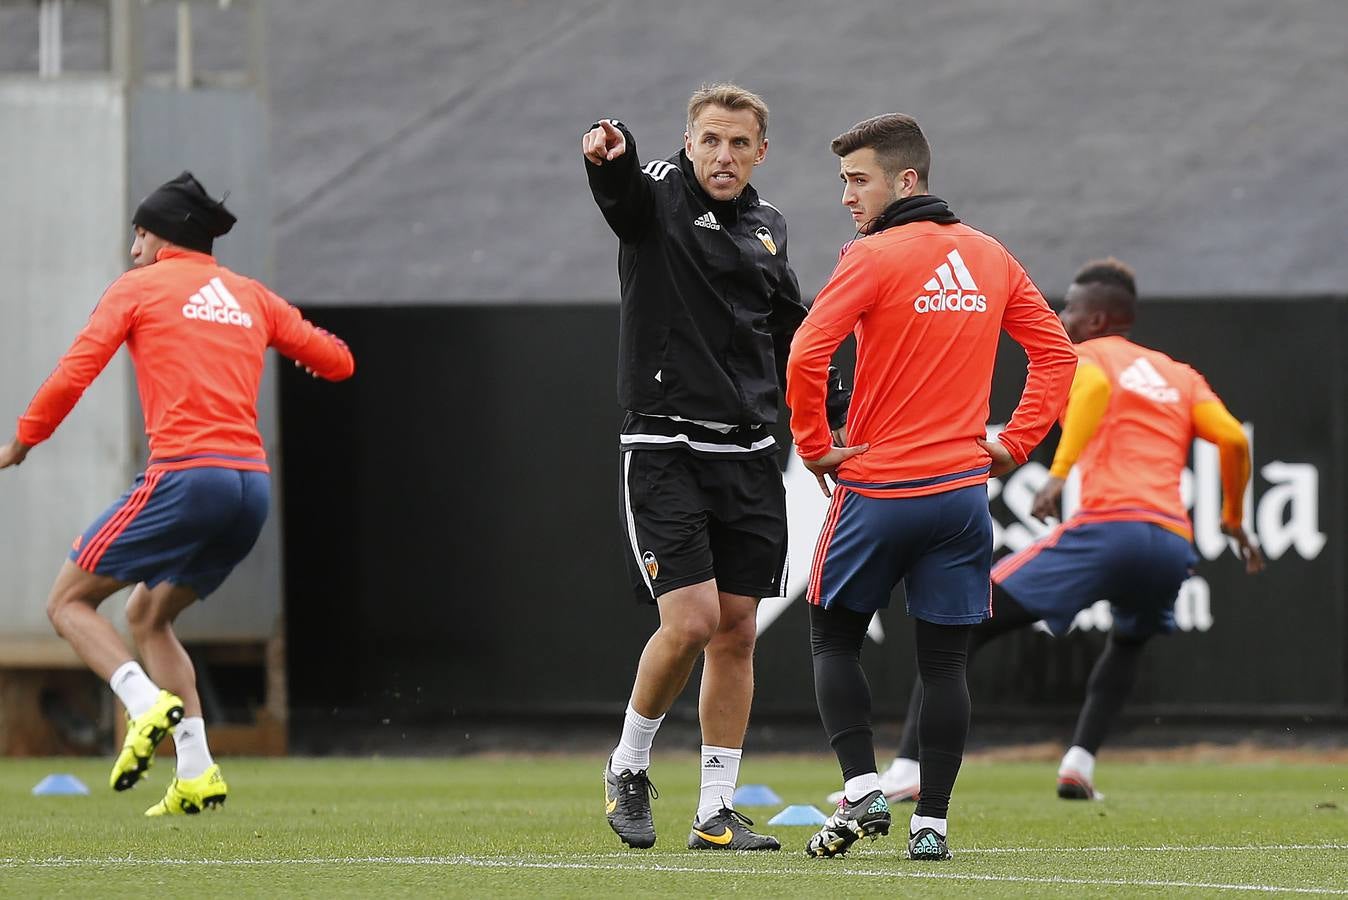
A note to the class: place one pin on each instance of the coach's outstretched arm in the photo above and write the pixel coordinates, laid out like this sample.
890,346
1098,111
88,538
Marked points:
622,194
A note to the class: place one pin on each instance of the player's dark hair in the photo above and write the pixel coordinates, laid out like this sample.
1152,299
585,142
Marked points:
1108,271
897,140
1121,302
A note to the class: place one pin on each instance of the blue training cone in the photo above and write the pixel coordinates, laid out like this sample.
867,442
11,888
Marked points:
58,785
799,814
756,795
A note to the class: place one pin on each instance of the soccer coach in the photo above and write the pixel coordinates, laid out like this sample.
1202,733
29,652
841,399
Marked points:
709,304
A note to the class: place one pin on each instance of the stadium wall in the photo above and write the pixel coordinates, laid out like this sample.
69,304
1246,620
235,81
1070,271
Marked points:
452,544
59,249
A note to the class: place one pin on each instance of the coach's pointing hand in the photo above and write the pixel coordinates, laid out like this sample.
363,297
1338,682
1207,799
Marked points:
826,466
604,142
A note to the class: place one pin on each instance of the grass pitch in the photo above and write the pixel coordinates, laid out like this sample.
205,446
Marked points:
522,826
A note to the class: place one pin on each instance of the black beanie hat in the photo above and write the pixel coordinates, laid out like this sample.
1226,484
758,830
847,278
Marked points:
181,212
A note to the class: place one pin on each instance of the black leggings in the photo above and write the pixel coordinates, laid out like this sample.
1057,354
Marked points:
841,688
844,698
943,722
1110,684
1008,616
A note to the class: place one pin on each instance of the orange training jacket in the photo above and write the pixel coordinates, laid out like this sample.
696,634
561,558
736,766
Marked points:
928,303
198,335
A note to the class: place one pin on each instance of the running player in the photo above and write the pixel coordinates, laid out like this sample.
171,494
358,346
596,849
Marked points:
1131,418
198,335
927,298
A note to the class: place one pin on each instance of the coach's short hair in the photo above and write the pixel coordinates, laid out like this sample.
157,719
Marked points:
730,96
1120,304
897,140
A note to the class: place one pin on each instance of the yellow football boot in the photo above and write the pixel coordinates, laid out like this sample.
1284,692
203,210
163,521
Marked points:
189,796
143,734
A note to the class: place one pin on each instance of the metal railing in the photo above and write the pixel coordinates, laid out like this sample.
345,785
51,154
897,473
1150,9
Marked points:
125,36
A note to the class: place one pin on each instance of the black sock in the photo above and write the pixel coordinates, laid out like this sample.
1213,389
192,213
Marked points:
1008,616
1111,682
943,724
840,686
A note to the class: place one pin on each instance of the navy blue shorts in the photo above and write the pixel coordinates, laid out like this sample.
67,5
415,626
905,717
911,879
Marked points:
189,527
940,545
1137,566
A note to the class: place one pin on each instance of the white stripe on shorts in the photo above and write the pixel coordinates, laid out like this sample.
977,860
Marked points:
632,522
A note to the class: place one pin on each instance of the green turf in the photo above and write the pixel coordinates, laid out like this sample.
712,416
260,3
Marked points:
533,826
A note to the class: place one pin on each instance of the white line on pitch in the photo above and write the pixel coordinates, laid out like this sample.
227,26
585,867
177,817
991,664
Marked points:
516,863
1172,848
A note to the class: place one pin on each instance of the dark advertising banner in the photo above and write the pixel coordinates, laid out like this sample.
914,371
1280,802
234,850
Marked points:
453,543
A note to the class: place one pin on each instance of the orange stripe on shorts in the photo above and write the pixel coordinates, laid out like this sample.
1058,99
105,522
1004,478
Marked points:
821,546
113,528
1013,563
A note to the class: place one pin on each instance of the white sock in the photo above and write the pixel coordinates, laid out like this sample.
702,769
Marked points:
634,750
720,773
917,823
902,773
860,786
194,757
134,688
1079,761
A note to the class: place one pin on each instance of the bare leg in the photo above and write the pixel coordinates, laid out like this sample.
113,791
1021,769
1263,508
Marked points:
688,620
151,612
728,673
72,608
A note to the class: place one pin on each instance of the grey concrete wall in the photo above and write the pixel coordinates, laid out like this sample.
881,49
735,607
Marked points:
63,239
429,151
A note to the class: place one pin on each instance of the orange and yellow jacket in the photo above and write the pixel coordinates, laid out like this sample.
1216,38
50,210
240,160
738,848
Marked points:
1131,417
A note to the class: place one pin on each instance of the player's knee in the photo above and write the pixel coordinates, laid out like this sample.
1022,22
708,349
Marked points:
737,636
59,606
137,614
696,635
691,633
141,615
56,606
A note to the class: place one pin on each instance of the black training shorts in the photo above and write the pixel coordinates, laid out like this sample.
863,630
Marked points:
687,519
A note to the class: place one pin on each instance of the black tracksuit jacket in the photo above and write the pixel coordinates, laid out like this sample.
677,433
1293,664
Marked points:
709,299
